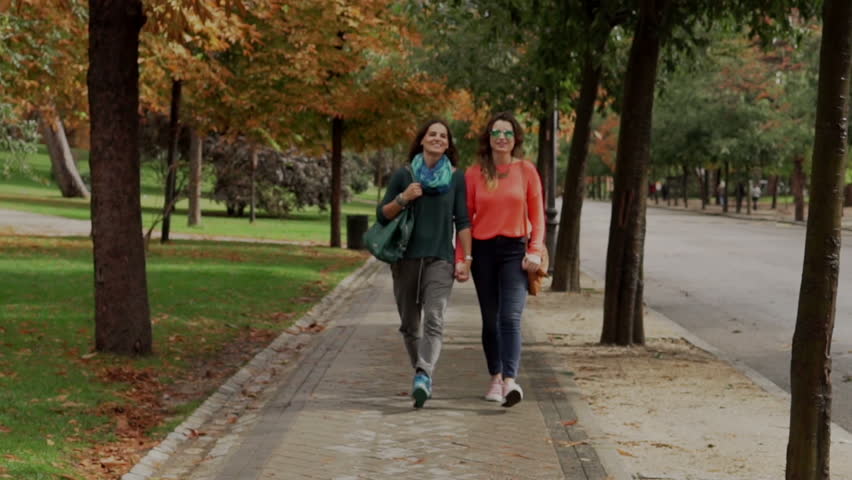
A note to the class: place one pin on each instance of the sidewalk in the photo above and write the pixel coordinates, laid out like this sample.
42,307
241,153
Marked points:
338,407
784,213
335,404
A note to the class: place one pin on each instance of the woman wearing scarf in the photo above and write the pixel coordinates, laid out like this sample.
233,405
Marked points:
423,279
507,213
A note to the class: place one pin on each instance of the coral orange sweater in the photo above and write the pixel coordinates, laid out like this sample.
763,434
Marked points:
500,212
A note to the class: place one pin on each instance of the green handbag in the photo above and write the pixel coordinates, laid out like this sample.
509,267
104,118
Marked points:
388,242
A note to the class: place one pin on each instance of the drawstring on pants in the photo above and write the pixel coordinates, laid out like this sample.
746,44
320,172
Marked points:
419,278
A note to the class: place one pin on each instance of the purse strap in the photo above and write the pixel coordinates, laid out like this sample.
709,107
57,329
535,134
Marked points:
526,205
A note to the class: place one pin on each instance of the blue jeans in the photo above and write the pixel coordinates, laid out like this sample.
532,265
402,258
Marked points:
501,287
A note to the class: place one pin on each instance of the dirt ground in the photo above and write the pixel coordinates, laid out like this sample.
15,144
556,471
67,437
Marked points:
670,409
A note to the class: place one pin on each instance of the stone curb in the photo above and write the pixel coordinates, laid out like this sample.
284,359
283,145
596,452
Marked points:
606,451
756,377
739,216
159,454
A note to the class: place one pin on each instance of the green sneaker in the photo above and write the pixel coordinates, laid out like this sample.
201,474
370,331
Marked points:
421,390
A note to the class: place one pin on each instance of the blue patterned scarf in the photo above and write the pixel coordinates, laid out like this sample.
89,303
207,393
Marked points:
435,180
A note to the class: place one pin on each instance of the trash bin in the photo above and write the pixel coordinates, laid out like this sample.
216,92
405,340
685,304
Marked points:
356,227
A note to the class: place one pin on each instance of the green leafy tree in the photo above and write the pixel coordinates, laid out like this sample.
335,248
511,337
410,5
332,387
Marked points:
658,20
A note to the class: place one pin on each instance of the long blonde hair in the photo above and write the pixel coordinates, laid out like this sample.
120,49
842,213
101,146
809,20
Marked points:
486,158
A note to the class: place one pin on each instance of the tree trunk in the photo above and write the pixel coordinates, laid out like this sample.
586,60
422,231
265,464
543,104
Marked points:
336,178
774,187
810,368
748,197
122,313
62,162
717,194
195,161
685,186
566,263
727,185
253,193
739,196
549,189
171,175
799,187
705,189
622,323
545,153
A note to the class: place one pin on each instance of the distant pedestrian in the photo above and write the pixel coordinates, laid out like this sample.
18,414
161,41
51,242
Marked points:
504,199
423,279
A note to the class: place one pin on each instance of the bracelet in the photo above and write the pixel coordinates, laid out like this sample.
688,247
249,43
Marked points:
400,201
468,257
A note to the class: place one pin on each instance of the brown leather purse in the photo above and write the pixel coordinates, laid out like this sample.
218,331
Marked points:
537,277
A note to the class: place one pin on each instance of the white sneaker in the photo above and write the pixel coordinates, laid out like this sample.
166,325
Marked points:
512,394
495,392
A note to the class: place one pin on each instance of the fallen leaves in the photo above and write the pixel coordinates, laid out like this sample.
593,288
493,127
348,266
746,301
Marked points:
314,327
567,444
568,423
625,453
518,455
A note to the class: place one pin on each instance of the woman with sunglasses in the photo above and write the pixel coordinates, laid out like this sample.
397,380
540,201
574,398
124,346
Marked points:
423,279
504,202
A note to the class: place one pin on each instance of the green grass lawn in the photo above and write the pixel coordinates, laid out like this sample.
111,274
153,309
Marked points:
207,299
38,194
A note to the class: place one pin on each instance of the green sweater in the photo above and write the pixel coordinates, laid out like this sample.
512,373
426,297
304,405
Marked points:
434,216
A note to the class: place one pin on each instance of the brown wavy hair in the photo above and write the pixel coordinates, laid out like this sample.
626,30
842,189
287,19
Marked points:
416,148
486,159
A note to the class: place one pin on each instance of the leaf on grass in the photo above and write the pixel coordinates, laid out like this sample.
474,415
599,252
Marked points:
51,442
5,429
625,453
111,461
568,423
89,355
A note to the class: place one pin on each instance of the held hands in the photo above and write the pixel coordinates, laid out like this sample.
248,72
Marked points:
413,192
531,263
462,271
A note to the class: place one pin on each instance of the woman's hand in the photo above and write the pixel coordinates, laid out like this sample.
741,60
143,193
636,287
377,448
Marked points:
412,192
531,263
462,271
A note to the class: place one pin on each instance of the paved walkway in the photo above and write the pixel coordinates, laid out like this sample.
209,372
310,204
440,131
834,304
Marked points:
784,213
343,410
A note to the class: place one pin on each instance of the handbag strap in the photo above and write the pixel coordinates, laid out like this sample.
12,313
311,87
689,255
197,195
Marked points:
527,233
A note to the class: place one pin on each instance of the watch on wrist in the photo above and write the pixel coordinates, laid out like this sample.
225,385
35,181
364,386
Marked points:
468,258
401,201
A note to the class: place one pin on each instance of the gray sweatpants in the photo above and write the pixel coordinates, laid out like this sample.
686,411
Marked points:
422,290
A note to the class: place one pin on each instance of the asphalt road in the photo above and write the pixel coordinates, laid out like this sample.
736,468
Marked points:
735,284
